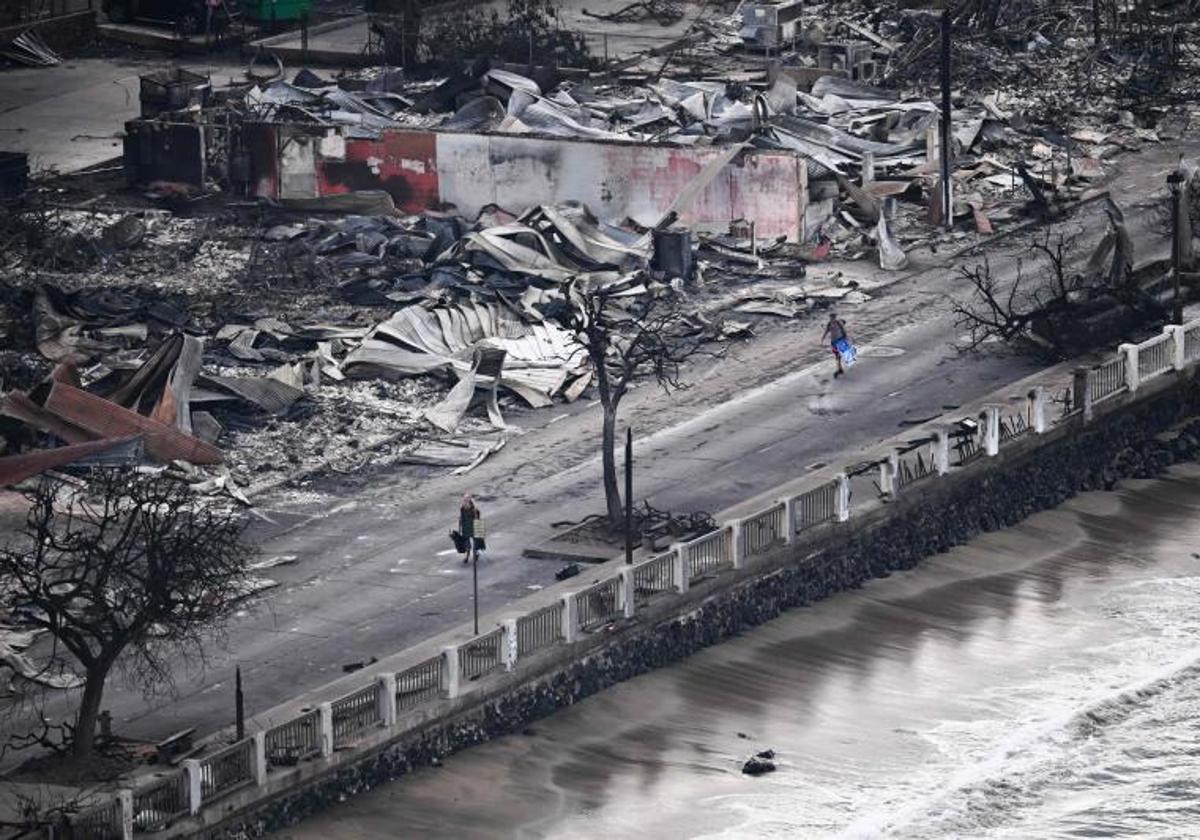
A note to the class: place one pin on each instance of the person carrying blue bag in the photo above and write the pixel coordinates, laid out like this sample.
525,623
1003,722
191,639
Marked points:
839,341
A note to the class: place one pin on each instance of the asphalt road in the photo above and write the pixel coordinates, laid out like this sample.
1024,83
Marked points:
373,570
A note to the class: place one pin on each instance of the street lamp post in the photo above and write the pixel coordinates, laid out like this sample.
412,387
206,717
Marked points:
239,702
947,137
1175,184
629,496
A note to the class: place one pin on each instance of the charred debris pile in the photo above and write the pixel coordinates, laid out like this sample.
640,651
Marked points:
236,340
239,351
1044,98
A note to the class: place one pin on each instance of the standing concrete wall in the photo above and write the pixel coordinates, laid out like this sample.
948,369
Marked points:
423,169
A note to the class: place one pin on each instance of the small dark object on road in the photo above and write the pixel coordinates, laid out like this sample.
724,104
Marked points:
767,754
351,667
175,745
757,766
567,572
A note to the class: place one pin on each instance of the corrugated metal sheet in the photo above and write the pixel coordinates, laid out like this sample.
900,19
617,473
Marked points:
108,420
541,358
17,468
271,395
20,407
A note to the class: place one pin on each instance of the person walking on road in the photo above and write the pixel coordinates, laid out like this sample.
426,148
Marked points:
470,530
839,340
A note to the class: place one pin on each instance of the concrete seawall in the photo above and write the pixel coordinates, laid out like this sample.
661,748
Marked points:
1128,435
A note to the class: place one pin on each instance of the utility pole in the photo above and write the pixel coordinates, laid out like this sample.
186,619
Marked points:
240,701
1175,184
947,193
1096,23
475,582
629,495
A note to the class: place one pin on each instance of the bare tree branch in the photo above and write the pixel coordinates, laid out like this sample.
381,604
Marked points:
1047,300
134,572
627,340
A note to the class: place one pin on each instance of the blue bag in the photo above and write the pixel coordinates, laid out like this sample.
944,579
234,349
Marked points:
846,351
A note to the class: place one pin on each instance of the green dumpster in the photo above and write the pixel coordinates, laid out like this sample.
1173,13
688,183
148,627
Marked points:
266,11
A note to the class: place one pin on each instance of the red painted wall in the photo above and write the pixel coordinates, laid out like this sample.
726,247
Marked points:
423,170
402,163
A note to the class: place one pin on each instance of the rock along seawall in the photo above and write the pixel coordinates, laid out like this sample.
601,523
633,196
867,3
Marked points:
1138,438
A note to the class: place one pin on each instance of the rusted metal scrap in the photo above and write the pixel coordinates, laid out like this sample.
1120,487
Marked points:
20,407
17,468
109,420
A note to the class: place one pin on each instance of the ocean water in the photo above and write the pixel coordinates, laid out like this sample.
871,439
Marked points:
1040,682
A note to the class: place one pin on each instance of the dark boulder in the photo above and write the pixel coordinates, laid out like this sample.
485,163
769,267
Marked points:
757,766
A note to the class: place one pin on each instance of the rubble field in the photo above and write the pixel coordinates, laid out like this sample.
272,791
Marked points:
241,341
300,370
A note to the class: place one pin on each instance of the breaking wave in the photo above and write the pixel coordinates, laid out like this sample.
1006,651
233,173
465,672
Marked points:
1057,752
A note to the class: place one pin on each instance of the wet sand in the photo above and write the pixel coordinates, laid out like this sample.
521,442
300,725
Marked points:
971,697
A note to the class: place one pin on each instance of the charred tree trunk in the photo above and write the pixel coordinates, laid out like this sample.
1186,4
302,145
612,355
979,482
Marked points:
612,493
84,738
610,398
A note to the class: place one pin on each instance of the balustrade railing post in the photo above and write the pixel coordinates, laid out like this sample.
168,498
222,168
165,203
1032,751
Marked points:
1037,409
125,795
325,722
789,520
1178,333
570,619
385,696
842,501
887,475
1081,392
1132,378
991,430
681,568
737,546
453,674
510,644
941,450
191,767
628,605
259,758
